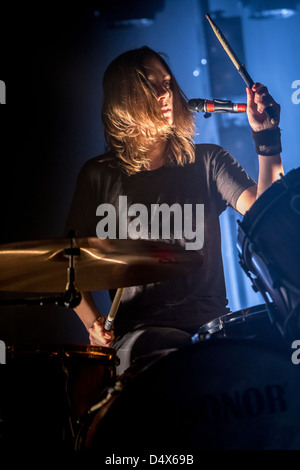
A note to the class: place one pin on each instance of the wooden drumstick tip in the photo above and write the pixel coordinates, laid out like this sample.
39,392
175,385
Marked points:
224,43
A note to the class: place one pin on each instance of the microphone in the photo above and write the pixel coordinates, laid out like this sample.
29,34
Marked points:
216,106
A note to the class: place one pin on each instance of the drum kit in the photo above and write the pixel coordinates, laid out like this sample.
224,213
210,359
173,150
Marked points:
234,387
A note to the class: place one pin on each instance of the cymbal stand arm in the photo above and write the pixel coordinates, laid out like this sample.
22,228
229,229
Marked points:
72,296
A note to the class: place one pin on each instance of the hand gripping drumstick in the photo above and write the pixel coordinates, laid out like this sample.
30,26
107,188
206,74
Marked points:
238,65
113,309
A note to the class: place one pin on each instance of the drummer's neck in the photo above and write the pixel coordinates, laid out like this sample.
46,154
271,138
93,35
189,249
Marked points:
156,154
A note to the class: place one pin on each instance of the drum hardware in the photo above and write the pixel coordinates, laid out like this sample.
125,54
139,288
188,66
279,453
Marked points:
48,388
259,262
100,264
111,391
140,365
295,204
108,396
295,197
256,282
282,182
40,266
272,264
246,323
72,296
227,393
291,317
68,428
112,394
88,264
196,338
267,278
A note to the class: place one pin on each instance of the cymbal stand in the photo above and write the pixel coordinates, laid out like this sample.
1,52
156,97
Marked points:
70,299
72,296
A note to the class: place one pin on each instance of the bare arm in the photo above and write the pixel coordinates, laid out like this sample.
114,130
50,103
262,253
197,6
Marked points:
270,167
90,316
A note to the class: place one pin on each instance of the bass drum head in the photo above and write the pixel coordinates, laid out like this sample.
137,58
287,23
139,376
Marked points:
217,394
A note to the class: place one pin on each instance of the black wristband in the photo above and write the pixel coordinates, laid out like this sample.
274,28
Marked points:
267,142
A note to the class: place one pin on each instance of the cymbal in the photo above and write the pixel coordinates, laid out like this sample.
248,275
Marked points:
42,266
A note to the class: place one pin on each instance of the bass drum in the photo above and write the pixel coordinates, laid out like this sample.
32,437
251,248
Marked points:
269,250
45,389
219,393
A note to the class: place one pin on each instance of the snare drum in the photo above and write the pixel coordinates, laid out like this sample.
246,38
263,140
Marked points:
221,393
46,388
269,250
252,323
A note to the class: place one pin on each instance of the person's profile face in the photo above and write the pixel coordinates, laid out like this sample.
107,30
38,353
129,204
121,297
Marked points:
160,80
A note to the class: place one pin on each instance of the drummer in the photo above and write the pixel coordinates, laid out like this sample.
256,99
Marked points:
152,159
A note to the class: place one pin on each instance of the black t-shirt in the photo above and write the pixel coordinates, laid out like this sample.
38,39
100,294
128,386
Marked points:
214,180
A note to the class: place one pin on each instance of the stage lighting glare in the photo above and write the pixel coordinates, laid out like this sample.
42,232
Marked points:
270,9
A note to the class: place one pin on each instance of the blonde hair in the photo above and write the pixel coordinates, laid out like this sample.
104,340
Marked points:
132,115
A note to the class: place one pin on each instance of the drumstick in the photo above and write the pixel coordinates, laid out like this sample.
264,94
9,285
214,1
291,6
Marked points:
113,309
238,65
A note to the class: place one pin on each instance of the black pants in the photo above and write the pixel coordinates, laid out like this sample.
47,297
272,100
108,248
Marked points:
144,342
